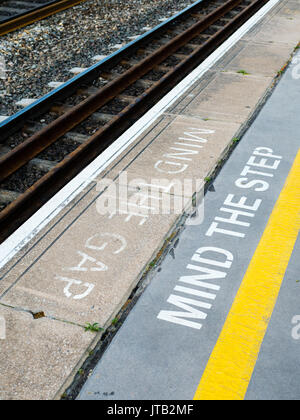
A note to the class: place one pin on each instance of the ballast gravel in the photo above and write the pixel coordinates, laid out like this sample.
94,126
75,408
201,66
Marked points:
45,51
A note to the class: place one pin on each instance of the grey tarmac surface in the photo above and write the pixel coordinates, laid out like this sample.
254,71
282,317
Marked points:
276,375
152,358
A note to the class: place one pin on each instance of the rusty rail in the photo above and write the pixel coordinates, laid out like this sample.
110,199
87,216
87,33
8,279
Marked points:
19,21
24,206
37,143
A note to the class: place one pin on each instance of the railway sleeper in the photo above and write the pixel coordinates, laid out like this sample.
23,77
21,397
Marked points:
7,197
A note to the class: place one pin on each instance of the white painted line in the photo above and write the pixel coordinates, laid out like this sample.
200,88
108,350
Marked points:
99,57
10,247
117,46
55,85
25,102
78,70
3,118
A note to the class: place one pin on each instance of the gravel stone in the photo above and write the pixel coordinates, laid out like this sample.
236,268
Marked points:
46,51
23,179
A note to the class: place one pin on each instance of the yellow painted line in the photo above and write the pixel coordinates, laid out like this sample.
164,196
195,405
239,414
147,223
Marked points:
230,367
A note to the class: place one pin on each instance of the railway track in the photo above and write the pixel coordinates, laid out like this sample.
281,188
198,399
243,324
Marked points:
44,146
16,14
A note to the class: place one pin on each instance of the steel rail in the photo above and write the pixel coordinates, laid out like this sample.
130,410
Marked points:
24,206
13,123
33,146
19,21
